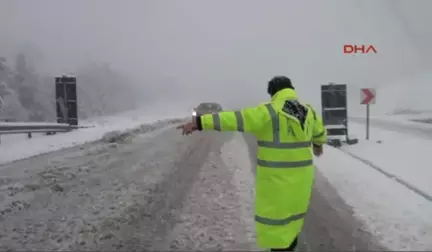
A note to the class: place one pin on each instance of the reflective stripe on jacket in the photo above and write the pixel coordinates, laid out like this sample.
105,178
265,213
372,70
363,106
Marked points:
285,170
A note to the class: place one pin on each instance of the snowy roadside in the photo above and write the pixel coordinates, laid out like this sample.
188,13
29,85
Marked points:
387,179
400,155
15,147
398,217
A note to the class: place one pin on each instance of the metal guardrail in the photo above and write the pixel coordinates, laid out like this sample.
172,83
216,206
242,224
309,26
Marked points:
33,127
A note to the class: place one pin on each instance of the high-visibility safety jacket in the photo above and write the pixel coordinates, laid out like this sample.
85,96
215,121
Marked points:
285,170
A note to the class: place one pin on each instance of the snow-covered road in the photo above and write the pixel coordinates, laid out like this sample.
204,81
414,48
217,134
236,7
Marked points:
113,196
154,191
157,190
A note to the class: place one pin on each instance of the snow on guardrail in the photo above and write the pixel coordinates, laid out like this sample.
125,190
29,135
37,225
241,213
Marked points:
30,127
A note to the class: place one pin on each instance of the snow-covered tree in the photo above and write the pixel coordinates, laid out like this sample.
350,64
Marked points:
29,96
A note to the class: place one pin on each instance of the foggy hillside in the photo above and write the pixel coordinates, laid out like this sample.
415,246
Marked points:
179,53
29,96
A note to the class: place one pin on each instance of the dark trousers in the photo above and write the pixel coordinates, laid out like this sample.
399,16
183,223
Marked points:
290,248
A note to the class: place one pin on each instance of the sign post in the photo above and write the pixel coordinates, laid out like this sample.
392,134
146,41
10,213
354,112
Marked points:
367,97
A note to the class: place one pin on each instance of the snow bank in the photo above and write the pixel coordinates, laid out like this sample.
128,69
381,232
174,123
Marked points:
398,217
402,155
15,147
393,197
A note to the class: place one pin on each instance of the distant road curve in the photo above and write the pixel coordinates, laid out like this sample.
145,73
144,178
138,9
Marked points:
417,129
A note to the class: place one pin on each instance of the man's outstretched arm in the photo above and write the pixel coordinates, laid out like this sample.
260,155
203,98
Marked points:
244,120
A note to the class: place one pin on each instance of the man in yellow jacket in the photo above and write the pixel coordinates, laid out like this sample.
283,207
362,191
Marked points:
288,133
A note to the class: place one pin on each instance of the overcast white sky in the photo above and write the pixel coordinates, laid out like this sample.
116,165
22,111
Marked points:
223,50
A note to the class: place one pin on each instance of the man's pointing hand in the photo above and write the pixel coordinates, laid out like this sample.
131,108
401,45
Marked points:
188,128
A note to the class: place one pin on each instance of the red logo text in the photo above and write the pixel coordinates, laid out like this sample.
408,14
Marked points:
355,49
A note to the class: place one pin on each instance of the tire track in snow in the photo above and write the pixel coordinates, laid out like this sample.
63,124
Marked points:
168,197
218,213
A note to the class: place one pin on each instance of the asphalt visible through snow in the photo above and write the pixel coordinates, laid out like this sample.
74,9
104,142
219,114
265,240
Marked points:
153,192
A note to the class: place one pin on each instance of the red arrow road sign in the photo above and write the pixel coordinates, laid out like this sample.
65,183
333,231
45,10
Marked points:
368,96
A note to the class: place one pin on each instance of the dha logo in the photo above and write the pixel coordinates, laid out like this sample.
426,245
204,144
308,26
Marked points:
355,49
